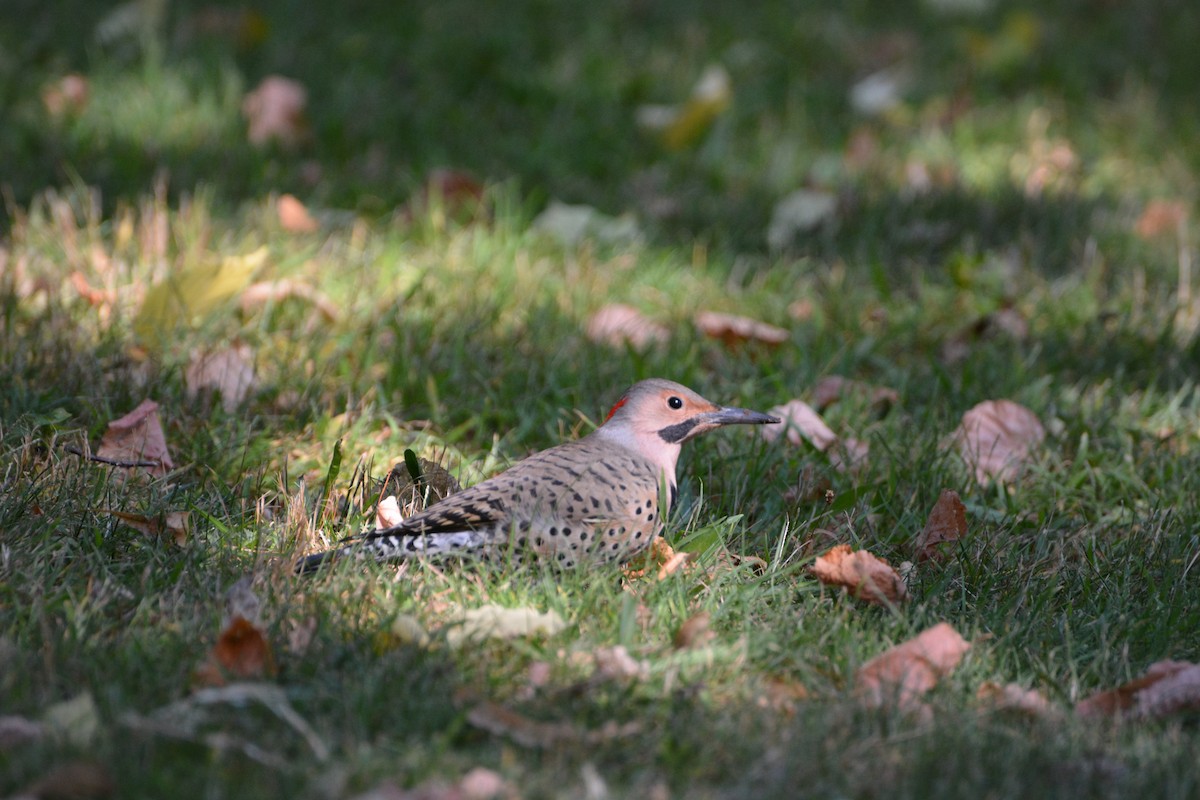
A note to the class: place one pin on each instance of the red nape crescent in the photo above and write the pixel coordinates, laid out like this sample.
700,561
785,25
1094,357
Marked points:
613,410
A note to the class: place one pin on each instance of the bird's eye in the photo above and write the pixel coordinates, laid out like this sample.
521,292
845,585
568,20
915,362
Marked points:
674,402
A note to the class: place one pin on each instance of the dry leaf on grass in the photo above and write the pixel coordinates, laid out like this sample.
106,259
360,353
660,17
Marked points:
660,555
615,664
242,651
497,622
996,439
501,721
902,674
1167,687
229,371
293,216
191,292
99,298
74,780
174,524
619,325
259,294
66,96
455,192
1161,217
1012,697
800,423
387,513
866,576
16,730
76,721
781,694
680,126
735,331
947,523
832,388
137,440
275,112
695,632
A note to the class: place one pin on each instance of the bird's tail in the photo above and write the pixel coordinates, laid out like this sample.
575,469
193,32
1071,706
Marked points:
381,546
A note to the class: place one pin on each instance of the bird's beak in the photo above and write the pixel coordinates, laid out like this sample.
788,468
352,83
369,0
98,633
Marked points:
738,416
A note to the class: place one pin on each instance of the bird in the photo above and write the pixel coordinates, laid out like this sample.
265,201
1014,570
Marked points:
598,499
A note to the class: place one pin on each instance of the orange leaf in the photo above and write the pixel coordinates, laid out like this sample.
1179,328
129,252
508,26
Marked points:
947,523
735,331
1161,217
1143,695
997,437
866,576
243,651
694,632
275,112
617,325
902,674
174,523
293,216
137,439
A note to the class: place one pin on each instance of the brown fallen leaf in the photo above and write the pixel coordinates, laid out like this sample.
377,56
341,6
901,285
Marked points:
1013,697
695,632
800,423
781,694
619,325
615,664
866,576
275,113
242,650
293,216
496,719
229,371
661,555
264,292
456,193
68,96
137,439
1161,217
1128,698
74,780
996,439
832,388
735,331
905,672
174,524
947,523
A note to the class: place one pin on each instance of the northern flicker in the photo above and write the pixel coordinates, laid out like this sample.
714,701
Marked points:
596,499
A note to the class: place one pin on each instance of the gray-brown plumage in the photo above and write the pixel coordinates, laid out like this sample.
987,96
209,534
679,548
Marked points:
595,499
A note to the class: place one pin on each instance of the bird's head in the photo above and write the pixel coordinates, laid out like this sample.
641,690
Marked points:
656,416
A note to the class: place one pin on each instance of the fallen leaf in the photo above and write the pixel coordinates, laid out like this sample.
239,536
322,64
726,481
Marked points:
662,555
781,694
242,650
1181,690
947,523
501,721
174,524
241,601
450,192
572,224
76,720
996,439
615,664
734,330
497,622
98,298
229,371
16,730
293,216
1013,697
1161,217
275,112
259,294
832,388
193,292
387,513
802,211
866,576
694,632
137,439
905,672
679,126
66,96
800,423
620,325
75,780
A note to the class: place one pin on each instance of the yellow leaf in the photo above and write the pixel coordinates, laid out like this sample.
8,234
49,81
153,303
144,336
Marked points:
193,292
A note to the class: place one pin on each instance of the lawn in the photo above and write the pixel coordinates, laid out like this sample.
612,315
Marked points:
1006,212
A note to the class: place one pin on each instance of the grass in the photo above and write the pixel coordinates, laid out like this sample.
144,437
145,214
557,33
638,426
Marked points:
463,340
